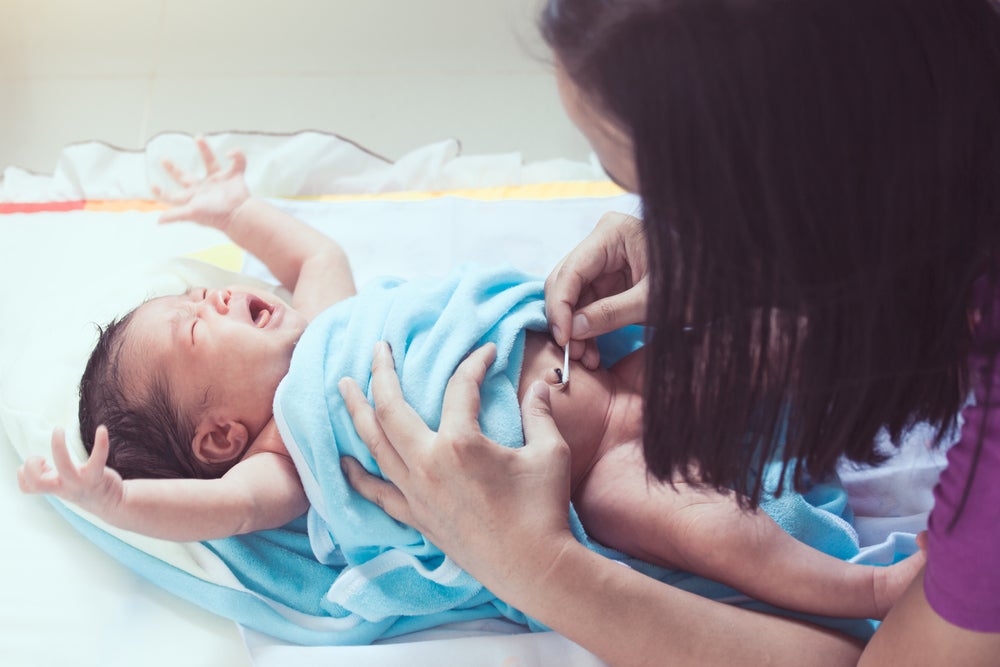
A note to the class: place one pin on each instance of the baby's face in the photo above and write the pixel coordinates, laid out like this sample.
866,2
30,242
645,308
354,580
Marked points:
220,348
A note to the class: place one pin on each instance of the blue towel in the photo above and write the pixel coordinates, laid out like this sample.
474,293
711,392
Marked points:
386,569
386,578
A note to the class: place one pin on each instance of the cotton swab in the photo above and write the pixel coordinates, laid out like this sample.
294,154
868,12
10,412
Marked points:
565,373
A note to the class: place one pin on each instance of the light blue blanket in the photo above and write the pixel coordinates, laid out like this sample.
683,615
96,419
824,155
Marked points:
376,577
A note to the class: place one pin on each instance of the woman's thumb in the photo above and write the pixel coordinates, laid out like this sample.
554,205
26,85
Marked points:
536,417
611,313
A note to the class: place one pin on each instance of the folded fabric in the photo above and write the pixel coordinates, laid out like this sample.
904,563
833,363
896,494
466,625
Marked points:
387,577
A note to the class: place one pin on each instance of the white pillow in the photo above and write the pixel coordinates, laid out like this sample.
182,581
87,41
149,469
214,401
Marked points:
55,298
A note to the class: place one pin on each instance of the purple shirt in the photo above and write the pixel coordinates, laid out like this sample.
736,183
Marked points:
962,580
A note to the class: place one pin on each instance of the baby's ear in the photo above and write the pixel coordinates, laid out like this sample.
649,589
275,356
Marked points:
218,441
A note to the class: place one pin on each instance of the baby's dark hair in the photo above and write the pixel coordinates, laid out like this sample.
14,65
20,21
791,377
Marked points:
149,436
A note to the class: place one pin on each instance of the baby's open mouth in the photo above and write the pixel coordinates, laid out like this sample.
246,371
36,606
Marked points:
260,311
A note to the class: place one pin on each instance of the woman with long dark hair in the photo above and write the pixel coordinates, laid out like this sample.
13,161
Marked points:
817,260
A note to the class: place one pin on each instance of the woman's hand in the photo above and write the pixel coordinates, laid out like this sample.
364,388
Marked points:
600,286
500,513
211,201
92,486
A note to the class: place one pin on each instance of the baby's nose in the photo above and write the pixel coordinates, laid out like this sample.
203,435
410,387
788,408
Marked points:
218,300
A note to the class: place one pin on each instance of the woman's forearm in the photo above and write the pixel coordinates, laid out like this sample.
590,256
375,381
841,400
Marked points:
626,618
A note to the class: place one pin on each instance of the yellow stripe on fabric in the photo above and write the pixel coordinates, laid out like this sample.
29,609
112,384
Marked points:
532,191
228,256
120,205
554,190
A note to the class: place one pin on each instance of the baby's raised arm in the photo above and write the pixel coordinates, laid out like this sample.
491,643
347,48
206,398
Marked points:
262,491
310,264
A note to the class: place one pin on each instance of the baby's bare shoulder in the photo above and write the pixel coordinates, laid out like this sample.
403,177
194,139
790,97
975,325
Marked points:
267,441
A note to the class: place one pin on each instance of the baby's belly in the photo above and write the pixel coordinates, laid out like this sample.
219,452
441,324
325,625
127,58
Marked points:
581,410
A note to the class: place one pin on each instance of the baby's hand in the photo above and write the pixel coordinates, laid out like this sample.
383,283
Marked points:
92,486
211,201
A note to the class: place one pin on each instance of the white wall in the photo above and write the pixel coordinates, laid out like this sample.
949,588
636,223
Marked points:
391,75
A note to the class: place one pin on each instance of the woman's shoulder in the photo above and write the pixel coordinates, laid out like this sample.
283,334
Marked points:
962,582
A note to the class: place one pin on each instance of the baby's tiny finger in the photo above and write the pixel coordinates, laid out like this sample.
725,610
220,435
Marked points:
60,454
179,177
577,348
27,473
94,467
591,358
31,474
239,163
207,156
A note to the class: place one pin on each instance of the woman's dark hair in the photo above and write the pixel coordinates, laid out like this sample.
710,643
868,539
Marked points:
821,188
149,436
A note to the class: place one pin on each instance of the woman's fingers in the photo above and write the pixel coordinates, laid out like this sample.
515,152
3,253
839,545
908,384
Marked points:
460,409
565,285
609,264
367,425
399,422
382,493
568,286
540,428
611,312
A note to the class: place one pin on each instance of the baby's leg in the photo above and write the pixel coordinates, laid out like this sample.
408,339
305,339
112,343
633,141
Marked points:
705,532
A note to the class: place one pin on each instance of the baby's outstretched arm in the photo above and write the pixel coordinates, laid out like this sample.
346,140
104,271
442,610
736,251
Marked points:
262,491
310,264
